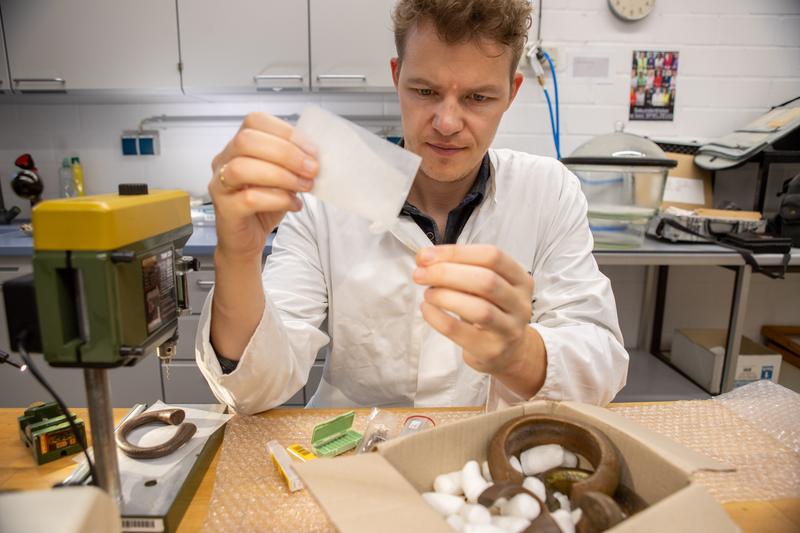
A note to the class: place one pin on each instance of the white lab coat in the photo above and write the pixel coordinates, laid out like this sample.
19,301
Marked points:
326,263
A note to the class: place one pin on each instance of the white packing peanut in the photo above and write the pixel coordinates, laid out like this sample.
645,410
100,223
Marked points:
485,471
444,504
511,524
535,485
577,514
522,505
482,528
448,483
472,481
563,501
499,503
564,521
541,458
570,460
515,464
474,513
455,522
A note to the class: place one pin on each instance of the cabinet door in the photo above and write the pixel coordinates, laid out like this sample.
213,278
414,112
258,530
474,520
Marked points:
10,268
5,83
351,45
200,284
129,385
187,330
183,383
56,46
243,46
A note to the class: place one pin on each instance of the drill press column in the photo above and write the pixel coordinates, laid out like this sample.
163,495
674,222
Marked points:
101,419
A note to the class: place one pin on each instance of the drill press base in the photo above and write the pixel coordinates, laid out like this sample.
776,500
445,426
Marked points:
158,507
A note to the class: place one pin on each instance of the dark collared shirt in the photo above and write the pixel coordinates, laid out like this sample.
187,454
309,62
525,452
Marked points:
457,218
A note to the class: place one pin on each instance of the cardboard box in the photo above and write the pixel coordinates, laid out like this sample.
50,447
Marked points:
692,183
381,491
699,353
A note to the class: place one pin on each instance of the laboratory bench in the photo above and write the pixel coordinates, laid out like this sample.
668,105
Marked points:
18,471
651,376
658,257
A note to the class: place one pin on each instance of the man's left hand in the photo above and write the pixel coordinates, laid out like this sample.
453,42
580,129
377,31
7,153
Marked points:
491,294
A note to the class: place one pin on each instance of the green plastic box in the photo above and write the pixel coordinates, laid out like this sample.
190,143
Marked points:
335,436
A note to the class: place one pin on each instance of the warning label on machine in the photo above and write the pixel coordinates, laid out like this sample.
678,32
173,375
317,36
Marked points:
158,276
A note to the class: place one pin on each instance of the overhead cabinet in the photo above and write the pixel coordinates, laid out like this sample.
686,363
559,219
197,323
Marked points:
249,47
243,46
351,44
92,45
160,47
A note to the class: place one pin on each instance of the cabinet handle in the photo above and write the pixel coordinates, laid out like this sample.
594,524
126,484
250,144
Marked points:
202,283
329,77
40,80
260,77
277,77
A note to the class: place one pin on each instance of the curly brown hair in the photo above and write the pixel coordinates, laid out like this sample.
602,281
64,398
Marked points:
457,21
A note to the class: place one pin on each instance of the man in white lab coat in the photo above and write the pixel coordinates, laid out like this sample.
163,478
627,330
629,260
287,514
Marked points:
508,306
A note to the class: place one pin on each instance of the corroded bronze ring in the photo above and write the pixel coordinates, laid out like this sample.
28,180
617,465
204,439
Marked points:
172,417
524,432
505,490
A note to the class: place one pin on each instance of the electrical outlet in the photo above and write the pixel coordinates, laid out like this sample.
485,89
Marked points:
149,143
139,142
129,144
529,55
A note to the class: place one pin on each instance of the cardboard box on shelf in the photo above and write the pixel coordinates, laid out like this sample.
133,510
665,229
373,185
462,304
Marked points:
381,491
688,186
699,353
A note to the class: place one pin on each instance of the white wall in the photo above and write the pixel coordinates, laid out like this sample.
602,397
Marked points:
737,58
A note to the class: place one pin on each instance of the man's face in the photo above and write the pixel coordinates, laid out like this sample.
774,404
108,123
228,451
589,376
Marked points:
452,97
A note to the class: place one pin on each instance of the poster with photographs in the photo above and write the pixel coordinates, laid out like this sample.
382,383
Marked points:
653,76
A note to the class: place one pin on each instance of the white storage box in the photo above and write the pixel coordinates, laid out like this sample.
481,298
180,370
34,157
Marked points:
699,353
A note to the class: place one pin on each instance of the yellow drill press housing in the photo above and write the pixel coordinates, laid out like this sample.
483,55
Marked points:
105,272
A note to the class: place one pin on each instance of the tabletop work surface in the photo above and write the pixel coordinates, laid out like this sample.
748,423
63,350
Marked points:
702,425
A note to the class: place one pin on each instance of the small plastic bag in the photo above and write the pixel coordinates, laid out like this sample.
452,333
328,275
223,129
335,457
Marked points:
381,426
358,171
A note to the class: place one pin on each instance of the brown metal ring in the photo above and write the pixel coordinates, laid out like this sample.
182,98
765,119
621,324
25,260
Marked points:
525,432
544,523
600,512
172,417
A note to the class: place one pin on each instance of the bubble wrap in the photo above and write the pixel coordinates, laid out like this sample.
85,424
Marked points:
754,428
771,408
754,425
249,495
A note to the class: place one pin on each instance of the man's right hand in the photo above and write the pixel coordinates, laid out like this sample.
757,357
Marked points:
255,181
